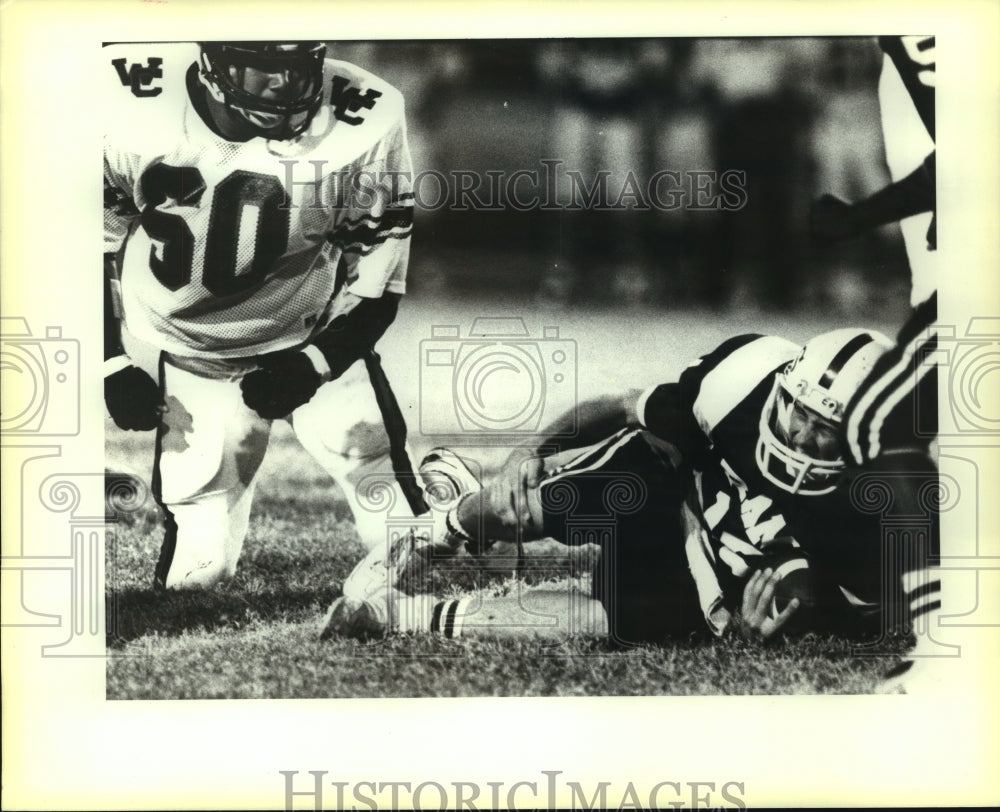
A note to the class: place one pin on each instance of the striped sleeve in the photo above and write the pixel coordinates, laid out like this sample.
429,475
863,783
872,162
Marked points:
727,376
669,410
365,234
374,230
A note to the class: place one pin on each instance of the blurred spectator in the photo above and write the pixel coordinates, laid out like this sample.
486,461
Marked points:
601,95
761,114
797,115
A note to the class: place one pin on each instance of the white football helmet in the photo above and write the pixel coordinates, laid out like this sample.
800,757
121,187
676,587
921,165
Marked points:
817,387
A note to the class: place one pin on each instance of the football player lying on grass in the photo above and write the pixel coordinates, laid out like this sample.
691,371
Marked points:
720,502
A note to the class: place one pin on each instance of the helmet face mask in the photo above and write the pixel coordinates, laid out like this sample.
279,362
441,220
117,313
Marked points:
798,447
275,87
780,462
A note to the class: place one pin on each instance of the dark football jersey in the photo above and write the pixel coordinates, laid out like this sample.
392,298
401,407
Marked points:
712,414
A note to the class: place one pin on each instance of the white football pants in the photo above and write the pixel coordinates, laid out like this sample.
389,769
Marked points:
210,448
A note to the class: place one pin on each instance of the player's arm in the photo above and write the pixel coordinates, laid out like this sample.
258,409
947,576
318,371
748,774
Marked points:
513,491
373,232
667,411
113,347
834,219
286,379
132,397
592,420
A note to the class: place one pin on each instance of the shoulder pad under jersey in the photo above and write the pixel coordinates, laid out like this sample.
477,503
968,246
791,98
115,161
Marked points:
359,111
721,380
145,87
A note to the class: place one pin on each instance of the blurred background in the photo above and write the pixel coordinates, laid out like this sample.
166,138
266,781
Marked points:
798,116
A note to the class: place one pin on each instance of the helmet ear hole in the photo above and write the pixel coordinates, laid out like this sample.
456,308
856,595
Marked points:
784,404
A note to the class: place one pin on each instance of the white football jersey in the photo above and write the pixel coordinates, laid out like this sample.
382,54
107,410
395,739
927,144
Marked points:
907,145
232,248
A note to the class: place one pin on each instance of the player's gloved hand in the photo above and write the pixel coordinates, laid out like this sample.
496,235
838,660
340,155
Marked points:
757,622
513,495
133,398
283,382
832,219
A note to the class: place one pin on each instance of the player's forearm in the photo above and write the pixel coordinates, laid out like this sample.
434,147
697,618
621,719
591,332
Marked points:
913,194
350,335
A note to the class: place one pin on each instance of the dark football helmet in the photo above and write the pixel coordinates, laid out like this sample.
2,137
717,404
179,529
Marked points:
276,86
812,391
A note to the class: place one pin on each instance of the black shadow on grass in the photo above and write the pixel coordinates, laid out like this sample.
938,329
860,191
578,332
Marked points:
135,613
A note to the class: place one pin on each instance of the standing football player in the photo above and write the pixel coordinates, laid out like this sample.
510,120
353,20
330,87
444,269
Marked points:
257,218
719,484
891,423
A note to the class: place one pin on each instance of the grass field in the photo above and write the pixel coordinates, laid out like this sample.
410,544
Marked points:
257,637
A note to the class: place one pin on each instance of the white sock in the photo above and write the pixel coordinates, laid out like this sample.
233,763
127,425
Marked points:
448,617
922,588
413,614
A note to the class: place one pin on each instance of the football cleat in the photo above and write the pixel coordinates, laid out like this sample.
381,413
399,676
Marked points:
380,615
357,619
446,478
381,570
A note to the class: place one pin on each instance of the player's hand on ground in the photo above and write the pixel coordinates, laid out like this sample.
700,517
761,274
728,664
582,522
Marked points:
283,381
832,219
757,622
513,494
133,399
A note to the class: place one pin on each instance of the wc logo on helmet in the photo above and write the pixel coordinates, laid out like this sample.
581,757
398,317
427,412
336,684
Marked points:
140,77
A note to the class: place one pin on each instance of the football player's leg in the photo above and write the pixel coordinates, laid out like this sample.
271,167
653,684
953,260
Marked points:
342,428
208,450
621,496
890,425
896,406
642,577
414,546
546,614
625,495
571,480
